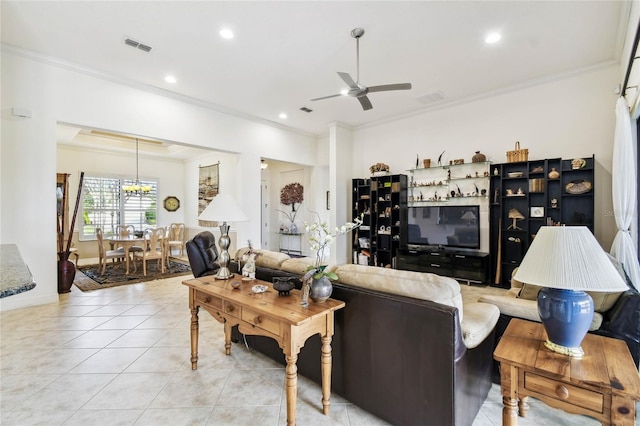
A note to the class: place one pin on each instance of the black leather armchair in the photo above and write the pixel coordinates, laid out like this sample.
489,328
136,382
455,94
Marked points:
203,254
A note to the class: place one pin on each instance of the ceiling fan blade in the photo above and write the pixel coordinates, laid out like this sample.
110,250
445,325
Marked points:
326,97
365,102
347,79
388,87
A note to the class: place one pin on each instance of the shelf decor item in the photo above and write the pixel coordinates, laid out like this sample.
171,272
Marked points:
578,163
517,154
478,157
576,187
553,174
379,169
567,261
537,212
515,215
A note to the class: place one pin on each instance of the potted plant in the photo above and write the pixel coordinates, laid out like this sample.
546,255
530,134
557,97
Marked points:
316,283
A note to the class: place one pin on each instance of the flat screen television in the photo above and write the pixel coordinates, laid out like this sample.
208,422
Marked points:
443,226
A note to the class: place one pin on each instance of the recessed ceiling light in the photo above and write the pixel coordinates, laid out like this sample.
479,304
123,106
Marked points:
170,79
492,38
283,115
344,92
226,33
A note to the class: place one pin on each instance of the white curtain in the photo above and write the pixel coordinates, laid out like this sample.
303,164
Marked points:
624,193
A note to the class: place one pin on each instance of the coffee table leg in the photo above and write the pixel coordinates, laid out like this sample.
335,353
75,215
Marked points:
326,373
291,371
509,413
227,338
194,337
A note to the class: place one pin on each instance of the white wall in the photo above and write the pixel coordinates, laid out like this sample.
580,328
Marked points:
568,118
56,94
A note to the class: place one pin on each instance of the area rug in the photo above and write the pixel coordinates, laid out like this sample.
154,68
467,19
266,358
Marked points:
88,277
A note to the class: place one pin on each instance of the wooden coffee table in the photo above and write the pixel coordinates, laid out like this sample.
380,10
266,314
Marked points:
604,384
267,314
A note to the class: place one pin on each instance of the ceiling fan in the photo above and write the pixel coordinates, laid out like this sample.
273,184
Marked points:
357,90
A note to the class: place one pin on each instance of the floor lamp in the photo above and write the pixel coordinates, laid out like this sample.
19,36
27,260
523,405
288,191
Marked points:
223,208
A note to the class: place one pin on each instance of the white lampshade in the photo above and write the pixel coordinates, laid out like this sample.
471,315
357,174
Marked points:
223,208
570,258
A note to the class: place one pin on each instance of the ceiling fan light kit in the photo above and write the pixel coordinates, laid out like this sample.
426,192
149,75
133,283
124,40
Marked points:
360,91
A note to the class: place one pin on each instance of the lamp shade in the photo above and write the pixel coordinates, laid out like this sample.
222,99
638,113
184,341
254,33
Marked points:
570,258
223,208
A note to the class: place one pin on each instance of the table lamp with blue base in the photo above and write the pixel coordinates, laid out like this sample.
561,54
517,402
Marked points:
567,261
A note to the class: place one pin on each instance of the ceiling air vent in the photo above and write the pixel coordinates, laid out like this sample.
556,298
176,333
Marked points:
305,109
136,44
430,98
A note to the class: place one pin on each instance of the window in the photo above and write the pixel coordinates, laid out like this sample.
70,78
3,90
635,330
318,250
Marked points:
105,205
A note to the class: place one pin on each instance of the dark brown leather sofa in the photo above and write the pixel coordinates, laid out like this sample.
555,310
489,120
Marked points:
399,358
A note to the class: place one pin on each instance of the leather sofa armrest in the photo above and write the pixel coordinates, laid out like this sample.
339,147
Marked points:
622,321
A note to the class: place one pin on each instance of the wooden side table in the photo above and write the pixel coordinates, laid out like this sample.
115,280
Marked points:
604,384
283,319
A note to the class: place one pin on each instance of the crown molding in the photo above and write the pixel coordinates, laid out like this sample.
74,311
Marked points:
92,72
490,94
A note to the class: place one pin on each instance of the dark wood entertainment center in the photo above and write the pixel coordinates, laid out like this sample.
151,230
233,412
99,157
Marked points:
463,265
518,197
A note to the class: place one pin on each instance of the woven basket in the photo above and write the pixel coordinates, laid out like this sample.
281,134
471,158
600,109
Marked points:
517,154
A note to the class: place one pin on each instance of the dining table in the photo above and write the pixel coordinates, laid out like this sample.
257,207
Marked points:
126,242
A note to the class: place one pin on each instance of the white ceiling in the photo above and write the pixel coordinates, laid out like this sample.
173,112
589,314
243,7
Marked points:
286,53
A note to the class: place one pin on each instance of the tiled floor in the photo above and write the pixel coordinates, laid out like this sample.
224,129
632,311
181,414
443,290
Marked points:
120,356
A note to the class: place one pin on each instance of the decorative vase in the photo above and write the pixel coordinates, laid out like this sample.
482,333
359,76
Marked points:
478,158
293,228
320,289
66,272
283,284
554,174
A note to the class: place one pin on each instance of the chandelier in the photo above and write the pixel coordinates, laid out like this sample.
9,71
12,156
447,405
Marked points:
136,188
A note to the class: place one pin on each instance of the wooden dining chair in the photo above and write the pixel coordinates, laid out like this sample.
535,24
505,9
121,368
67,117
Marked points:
175,238
125,230
154,248
104,254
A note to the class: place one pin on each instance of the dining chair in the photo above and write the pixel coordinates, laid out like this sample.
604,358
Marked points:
154,249
125,231
104,254
175,238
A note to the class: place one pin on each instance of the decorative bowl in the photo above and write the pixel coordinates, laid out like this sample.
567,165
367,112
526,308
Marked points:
283,285
259,288
514,174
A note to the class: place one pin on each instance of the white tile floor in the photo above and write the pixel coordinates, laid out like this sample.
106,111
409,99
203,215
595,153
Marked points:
120,356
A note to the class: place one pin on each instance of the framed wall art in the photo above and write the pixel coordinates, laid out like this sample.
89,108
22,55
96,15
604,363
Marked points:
208,181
